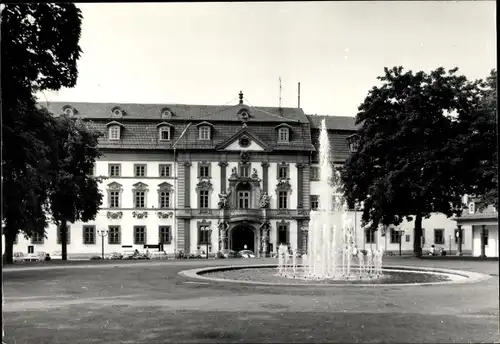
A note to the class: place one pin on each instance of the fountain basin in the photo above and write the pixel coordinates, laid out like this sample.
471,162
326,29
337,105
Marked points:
392,276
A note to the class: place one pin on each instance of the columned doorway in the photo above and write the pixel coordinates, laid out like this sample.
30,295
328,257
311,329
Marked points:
242,235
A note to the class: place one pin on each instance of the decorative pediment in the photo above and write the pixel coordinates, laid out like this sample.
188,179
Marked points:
140,214
204,223
283,223
114,123
164,124
140,186
114,215
165,215
204,184
244,140
114,186
283,184
165,187
284,125
205,123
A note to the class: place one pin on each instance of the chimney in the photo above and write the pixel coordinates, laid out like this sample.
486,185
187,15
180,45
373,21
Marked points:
299,97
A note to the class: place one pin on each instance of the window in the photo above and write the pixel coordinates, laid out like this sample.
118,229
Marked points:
117,112
314,202
139,235
282,200
245,170
314,173
244,199
456,236
31,249
407,237
140,199
369,236
164,199
114,170
59,235
164,134
203,235
395,236
165,170
164,236
203,199
89,233
353,142
114,199
114,235
439,236
204,133
114,132
282,172
37,239
283,135
204,170
140,170
283,234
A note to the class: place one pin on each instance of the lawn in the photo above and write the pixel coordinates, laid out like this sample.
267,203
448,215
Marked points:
148,302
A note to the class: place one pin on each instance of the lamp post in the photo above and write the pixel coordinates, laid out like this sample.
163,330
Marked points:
209,237
102,233
401,232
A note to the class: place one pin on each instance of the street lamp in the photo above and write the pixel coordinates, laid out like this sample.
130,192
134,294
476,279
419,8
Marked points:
102,233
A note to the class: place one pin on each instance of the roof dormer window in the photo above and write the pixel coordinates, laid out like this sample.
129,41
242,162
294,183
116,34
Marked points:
204,131
69,111
166,113
114,132
283,134
164,133
353,142
117,112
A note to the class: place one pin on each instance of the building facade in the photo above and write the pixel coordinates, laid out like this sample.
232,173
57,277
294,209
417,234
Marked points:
193,177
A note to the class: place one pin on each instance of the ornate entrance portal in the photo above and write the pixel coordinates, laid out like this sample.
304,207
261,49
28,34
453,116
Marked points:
243,235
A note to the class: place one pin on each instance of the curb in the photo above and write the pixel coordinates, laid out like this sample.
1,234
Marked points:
469,277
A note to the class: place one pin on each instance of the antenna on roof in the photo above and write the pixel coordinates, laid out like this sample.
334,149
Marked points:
280,93
299,97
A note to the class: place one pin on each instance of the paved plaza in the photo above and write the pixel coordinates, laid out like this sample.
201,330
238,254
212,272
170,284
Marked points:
148,302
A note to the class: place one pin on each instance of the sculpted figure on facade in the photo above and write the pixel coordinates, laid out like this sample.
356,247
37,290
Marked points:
264,200
255,175
234,172
224,200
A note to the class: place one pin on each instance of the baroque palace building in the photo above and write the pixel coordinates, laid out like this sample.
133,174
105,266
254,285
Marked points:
192,177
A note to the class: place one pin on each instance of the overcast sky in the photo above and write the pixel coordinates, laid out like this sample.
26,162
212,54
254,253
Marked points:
205,53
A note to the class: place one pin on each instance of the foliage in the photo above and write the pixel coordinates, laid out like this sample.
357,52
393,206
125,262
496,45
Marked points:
405,164
39,50
74,194
478,146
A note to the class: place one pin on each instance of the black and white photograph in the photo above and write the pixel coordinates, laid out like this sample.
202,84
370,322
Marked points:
249,172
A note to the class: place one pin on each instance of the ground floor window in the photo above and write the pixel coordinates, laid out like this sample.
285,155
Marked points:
438,236
114,235
407,238
395,236
164,236
369,236
139,235
89,235
283,234
203,235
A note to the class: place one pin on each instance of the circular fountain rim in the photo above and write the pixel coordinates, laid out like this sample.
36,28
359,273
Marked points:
470,277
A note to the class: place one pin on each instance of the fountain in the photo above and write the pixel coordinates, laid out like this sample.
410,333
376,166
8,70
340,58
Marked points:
332,252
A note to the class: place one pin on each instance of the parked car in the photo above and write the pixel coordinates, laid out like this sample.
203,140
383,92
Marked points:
227,253
159,255
246,254
18,257
35,257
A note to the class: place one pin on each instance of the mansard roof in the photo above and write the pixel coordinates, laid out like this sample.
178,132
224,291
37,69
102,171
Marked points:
333,122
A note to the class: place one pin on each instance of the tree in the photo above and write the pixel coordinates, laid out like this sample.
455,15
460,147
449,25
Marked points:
404,166
74,192
478,146
39,51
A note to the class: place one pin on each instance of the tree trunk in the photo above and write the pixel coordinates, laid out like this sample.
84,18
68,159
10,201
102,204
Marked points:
483,241
64,239
460,240
10,237
417,241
